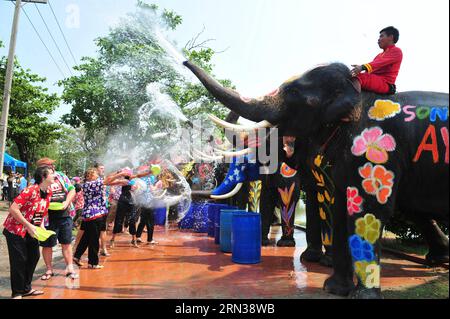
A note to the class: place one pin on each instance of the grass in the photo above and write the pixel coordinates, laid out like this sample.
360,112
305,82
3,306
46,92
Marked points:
405,247
435,289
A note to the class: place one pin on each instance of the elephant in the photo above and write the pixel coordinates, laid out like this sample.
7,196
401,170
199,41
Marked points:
370,154
271,188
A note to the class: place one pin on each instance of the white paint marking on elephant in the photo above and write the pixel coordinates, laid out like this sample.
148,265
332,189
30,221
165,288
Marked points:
373,276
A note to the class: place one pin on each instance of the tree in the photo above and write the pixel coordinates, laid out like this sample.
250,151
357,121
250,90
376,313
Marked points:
28,128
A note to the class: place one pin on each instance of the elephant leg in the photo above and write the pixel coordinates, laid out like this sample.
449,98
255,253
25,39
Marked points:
267,208
437,242
287,226
341,281
313,252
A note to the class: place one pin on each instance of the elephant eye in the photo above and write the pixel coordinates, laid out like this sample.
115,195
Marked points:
312,100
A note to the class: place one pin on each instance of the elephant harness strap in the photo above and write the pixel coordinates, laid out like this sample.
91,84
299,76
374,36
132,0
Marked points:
325,145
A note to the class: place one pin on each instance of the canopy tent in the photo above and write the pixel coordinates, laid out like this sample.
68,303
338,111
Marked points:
13,163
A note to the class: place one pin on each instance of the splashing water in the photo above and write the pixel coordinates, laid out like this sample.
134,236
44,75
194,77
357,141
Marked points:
177,192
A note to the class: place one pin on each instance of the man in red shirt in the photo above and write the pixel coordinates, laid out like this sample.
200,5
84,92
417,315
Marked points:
381,73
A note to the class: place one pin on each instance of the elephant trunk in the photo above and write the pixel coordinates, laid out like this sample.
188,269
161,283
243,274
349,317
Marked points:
267,108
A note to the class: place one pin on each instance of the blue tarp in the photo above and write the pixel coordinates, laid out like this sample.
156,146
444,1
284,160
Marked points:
13,163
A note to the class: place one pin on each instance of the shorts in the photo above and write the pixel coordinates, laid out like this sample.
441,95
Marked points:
63,229
112,212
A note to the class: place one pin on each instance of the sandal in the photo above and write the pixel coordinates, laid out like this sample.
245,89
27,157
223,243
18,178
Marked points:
72,275
105,254
47,275
111,243
134,244
95,266
33,293
77,262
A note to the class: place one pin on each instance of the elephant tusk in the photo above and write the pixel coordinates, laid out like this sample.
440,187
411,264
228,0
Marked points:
236,189
237,127
226,154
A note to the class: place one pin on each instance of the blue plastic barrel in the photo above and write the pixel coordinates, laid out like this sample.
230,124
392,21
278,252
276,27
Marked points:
160,216
217,221
246,238
214,217
226,216
201,218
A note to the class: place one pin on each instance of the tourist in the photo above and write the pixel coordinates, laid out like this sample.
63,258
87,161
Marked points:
23,183
145,204
60,221
100,168
25,214
93,212
5,188
113,198
12,187
126,208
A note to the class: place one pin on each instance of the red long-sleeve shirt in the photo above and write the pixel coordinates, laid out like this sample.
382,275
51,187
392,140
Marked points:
386,64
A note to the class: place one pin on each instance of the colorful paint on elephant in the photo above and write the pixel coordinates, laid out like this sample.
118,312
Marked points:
287,208
384,109
286,171
254,196
368,273
354,201
433,145
325,197
374,144
362,248
377,181
425,112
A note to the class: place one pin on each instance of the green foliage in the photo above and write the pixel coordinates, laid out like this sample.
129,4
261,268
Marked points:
30,104
407,230
172,19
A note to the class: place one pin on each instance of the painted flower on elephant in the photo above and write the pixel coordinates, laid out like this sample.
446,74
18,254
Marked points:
354,201
374,144
368,228
320,197
368,273
326,239
286,195
319,178
286,171
361,249
318,160
384,109
323,216
377,181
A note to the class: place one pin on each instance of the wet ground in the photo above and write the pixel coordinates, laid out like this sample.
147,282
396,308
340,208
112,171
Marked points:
190,265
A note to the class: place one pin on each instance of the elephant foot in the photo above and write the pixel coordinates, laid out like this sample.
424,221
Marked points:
340,287
284,242
265,242
326,260
436,259
364,293
311,255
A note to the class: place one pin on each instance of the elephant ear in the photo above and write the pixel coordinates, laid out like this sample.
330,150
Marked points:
342,105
